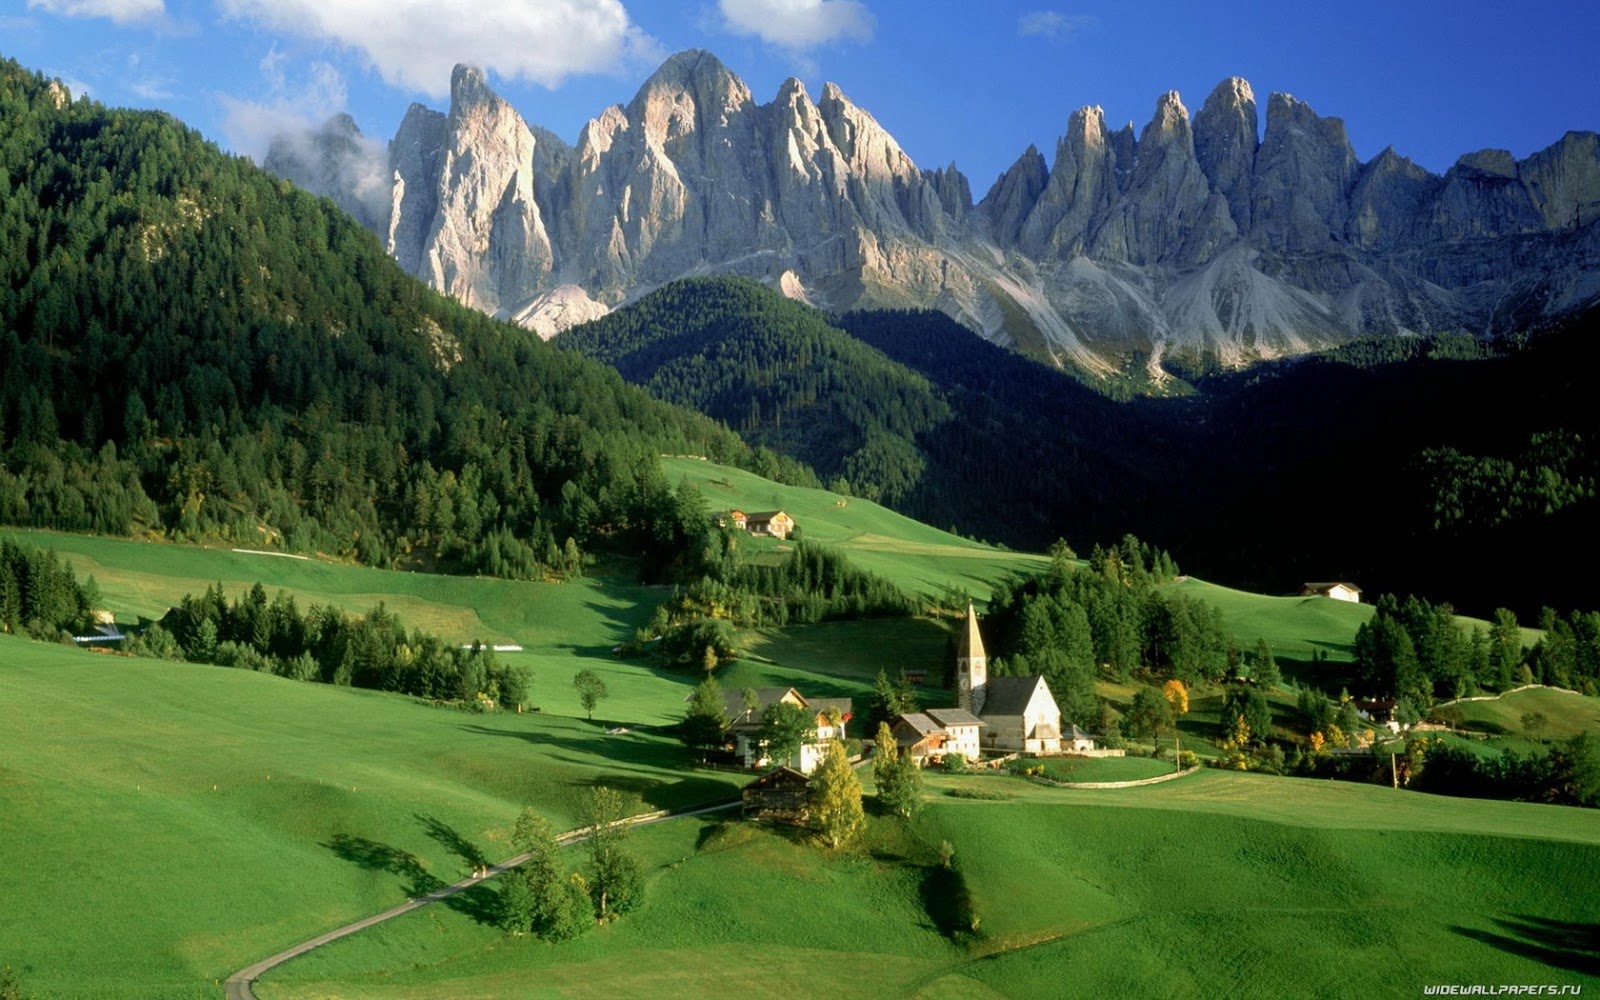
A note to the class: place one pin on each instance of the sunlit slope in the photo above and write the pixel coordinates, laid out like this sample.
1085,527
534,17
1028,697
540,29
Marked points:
162,825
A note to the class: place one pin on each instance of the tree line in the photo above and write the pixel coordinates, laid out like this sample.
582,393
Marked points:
1419,653
327,645
40,595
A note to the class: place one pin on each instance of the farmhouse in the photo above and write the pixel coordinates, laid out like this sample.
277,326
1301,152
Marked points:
745,728
918,735
1018,713
769,522
961,730
782,794
727,518
1337,590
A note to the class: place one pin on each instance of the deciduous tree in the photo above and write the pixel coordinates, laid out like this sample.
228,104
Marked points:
591,689
836,799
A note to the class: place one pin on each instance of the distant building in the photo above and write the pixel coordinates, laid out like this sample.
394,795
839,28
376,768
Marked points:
1076,740
921,737
730,518
961,730
782,795
745,727
770,522
1338,590
1017,713
1021,714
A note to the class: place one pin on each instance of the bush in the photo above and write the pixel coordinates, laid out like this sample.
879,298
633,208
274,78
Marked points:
955,763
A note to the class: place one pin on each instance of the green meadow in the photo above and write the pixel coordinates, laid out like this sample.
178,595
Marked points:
162,825
919,558
1211,885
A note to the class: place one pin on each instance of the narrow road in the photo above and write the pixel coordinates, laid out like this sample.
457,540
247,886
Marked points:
239,984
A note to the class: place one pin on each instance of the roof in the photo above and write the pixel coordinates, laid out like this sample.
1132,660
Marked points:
733,700
948,717
920,722
845,706
762,515
778,776
1329,585
1072,732
971,641
1010,695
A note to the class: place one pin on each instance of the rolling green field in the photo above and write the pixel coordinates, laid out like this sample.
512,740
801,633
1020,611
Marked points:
1215,884
1565,714
162,825
918,558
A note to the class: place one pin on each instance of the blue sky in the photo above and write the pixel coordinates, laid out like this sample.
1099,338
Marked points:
974,81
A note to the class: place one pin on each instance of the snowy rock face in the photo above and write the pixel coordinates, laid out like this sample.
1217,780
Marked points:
1191,234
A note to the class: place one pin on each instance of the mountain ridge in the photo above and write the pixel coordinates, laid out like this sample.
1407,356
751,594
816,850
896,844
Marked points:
1196,235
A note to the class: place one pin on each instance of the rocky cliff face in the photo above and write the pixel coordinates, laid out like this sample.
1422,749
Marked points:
1196,234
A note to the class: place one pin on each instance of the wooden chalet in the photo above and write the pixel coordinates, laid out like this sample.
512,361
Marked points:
782,795
1337,589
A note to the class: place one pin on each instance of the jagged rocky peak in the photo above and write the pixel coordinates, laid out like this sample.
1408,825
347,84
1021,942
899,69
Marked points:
692,90
1013,195
1302,173
1170,121
1387,200
1494,162
1225,143
469,88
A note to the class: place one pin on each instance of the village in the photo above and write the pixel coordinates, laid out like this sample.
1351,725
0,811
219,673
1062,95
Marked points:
994,720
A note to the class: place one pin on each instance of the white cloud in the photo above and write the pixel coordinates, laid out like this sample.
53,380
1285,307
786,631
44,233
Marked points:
120,11
798,24
416,43
250,126
1051,25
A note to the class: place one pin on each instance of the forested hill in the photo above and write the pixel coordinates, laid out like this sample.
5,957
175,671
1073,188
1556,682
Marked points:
1442,466
190,346
906,408
779,373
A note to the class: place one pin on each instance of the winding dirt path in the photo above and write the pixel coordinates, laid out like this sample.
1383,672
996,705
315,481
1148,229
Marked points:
239,984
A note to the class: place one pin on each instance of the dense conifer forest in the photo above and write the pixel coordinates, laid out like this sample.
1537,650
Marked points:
190,347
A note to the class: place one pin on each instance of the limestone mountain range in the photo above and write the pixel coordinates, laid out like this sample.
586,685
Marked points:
1194,234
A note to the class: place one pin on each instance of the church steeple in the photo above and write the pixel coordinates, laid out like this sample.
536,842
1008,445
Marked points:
972,666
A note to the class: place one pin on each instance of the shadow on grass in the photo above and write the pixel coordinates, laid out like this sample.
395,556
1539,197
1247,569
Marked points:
1561,944
452,840
480,902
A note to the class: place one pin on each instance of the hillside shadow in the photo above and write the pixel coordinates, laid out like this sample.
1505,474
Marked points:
480,902
376,857
452,840
1561,944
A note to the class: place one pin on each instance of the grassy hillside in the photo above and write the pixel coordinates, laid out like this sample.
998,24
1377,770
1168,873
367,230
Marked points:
1215,884
919,558
162,825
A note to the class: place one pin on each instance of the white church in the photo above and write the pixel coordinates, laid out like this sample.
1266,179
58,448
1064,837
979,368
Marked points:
1019,713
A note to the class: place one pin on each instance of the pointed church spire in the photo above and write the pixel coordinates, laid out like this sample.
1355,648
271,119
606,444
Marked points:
971,641
972,666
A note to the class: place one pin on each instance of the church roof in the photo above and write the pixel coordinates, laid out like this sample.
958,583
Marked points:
971,641
948,717
1010,695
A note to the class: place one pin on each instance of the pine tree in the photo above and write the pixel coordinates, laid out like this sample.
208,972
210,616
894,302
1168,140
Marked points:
836,799
1264,667
707,718
885,752
902,794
